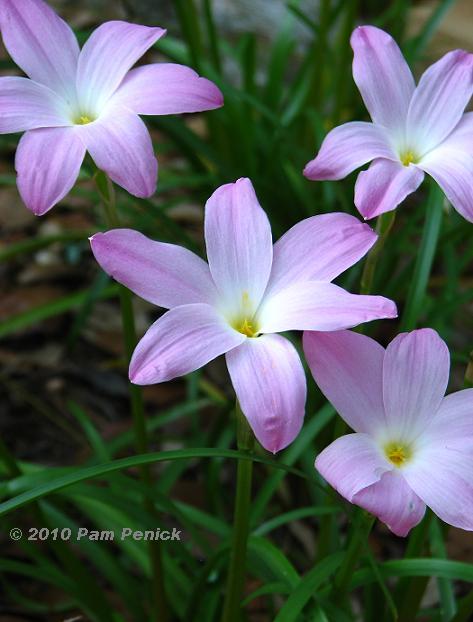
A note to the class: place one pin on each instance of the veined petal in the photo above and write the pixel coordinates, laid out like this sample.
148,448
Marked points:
415,376
167,88
393,502
319,249
442,478
239,245
384,185
270,384
382,76
41,43
346,148
48,162
182,340
440,99
313,305
351,463
121,146
164,274
27,105
451,165
452,424
111,50
348,368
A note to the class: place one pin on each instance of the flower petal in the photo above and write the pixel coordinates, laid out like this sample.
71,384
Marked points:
41,43
415,377
348,147
111,50
48,162
319,249
270,384
393,502
121,146
452,424
440,99
182,340
442,478
313,305
239,245
167,88
28,105
164,274
384,185
348,368
382,76
351,463
451,165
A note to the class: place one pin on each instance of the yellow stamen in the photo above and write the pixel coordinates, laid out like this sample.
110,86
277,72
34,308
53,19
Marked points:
408,157
246,328
398,454
84,120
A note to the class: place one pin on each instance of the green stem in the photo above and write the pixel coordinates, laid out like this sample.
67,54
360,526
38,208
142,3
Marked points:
418,286
241,520
107,194
358,535
383,227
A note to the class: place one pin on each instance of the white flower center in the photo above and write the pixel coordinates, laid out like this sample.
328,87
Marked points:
245,321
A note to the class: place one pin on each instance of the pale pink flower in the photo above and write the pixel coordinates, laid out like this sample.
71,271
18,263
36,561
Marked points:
414,129
87,100
412,446
235,304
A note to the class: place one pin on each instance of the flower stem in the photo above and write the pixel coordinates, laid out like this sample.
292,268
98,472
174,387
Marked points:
107,194
241,519
360,531
383,227
418,286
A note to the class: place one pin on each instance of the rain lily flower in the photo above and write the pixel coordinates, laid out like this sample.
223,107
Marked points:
87,100
235,304
415,130
412,446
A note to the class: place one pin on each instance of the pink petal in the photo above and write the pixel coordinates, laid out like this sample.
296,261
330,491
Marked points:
451,165
182,340
41,43
313,305
348,147
352,463
270,384
111,50
167,89
440,99
453,421
121,146
442,478
48,162
239,245
383,77
27,105
384,185
348,368
393,502
415,377
164,274
319,249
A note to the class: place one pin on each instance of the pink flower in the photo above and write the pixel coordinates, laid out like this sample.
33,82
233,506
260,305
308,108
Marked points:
235,304
412,446
414,129
78,100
